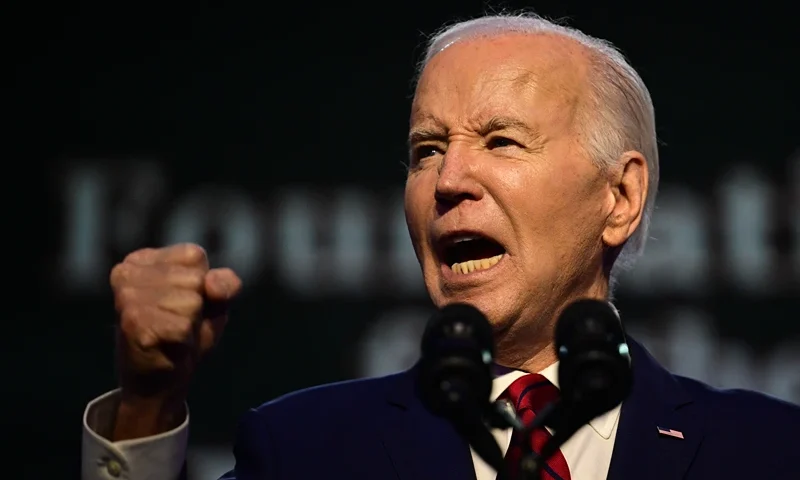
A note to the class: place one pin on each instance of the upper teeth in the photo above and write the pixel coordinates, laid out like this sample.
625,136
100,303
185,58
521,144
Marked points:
466,238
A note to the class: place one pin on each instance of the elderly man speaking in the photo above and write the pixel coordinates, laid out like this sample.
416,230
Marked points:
532,177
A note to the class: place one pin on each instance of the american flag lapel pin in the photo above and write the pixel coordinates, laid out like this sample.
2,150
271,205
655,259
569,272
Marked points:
670,432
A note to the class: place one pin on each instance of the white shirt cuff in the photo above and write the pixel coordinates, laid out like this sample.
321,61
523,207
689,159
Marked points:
159,457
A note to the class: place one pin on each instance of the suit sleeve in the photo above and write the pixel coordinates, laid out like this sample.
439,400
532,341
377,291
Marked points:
160,457
254,450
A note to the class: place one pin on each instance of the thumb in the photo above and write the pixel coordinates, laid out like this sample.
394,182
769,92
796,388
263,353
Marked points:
222,284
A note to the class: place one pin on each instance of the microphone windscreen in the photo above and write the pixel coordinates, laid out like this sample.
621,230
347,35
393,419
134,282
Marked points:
457,325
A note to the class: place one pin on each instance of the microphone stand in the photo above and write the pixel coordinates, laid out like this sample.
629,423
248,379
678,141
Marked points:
469,421
533,462
502,415
484,444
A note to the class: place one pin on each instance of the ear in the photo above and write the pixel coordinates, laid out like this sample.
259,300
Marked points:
629,183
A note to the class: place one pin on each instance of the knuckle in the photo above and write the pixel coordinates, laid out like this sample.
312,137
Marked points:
197,279
130,320
138,254
146,338
183,328
194,301
125,296
182,302
192,278
120,274
193,253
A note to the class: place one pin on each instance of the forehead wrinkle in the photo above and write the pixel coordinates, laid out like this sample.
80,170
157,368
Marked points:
498,94
562,70
489,82
555,70
516,78
560,75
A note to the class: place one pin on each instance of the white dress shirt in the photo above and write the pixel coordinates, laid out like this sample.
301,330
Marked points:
588,452
161,457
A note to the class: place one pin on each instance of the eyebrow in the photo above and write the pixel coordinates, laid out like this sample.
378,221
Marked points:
494,124
507,123
419,135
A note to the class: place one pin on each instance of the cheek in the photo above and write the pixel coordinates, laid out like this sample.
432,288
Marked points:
577,221
537,197
555,210
416,205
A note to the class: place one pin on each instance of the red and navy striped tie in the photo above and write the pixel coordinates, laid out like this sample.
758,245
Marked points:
530,394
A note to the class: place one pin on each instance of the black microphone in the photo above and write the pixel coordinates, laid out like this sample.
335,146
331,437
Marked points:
455,376
594,373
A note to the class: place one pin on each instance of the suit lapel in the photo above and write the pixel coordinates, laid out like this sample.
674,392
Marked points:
421,445
657,400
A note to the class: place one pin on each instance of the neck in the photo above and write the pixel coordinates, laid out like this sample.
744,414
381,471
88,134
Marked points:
541,359
533,352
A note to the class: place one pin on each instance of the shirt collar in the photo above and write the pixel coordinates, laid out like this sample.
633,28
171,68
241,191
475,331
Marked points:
504,377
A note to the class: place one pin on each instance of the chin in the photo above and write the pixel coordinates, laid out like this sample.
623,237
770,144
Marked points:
490,303
498,315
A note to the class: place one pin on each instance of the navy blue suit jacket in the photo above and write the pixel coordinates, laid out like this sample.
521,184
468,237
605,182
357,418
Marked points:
377,429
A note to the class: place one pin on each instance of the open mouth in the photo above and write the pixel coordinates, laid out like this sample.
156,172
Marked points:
470,253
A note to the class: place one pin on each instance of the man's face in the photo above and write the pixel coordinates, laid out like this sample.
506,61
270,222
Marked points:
505,209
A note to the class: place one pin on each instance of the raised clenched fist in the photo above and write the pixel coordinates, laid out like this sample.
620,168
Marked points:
172,309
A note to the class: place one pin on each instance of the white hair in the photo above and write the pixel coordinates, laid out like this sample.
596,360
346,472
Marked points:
618,114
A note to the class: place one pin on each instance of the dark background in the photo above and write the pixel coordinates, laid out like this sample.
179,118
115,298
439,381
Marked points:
275,137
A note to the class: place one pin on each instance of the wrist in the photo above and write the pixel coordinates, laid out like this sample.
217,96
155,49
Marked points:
139,416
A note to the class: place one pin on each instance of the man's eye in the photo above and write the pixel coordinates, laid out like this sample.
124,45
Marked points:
499,142
425,151
419,154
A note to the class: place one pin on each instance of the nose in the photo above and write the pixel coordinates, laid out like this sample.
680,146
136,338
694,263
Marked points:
457,181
